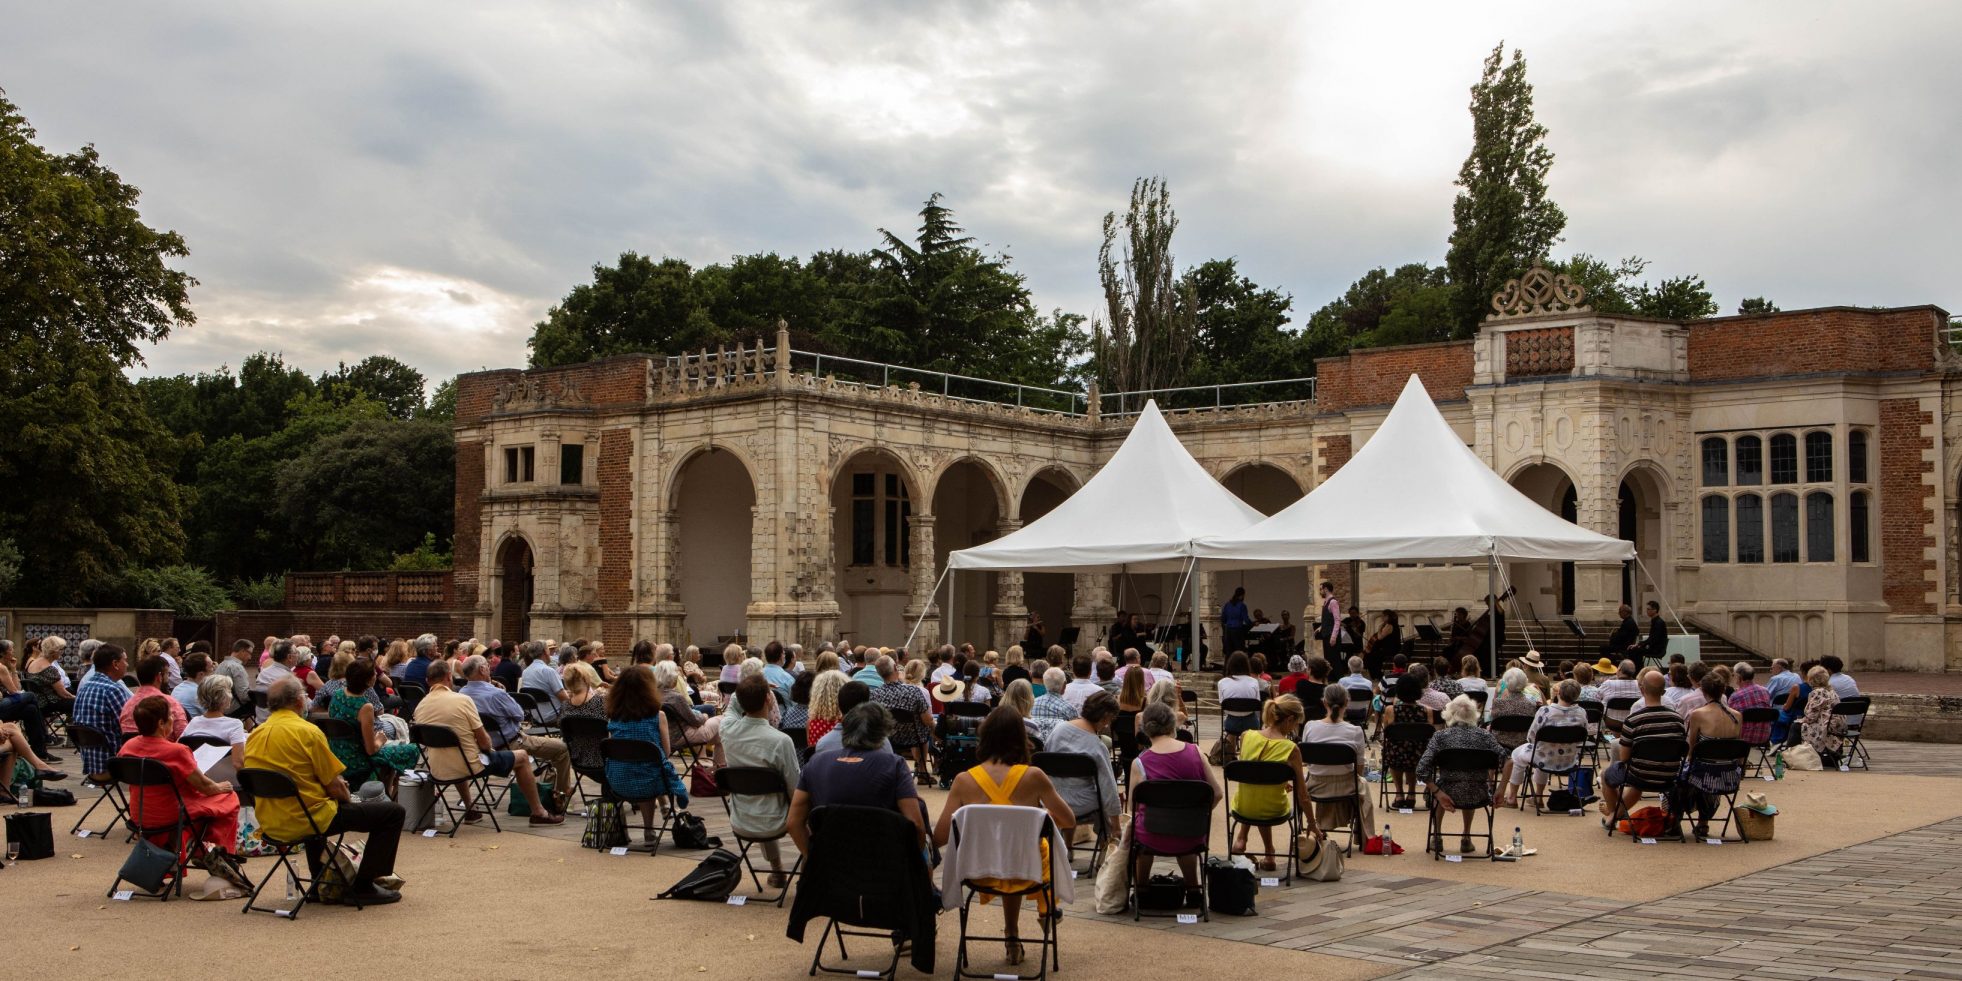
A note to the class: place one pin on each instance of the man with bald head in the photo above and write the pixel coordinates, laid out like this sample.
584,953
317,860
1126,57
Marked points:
1653,721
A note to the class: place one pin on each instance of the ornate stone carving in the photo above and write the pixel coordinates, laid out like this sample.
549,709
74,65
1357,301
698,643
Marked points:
1539,291
531,393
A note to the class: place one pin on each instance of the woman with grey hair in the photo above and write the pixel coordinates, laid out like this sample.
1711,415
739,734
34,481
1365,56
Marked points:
1461,791
1167,757
864,773
689,727
215,697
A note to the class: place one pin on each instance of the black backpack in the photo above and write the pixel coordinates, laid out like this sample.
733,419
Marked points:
1230,889
712,880
690,832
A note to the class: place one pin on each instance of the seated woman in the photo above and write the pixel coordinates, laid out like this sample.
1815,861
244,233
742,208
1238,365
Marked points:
1511,699
1166,693
215,702
633,711
582,698
1464,792
1167,757
1705,783
1331,781
691,728
1554,756
1400,755
1818,726
16,753
1004,777
205,800
369,756
824,714
1471,675
797,715
1273,742
1239,682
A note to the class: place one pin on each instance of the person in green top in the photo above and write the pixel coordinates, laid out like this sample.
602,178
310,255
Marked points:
370,756
1273,742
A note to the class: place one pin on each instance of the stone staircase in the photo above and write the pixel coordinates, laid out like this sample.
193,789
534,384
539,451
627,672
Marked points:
1556,643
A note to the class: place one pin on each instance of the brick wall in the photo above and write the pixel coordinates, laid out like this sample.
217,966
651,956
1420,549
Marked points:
1376,376
616,528
607,383
1905,511
468,541
1808,341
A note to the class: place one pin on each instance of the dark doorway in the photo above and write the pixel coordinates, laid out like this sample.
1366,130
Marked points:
1627,529
1570,511
514,596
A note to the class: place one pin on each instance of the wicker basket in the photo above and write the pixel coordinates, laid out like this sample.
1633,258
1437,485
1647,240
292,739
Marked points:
1755,825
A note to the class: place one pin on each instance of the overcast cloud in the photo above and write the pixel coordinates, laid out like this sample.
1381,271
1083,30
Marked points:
424,180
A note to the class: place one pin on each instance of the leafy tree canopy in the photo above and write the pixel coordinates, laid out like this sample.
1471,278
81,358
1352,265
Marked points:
358,497
1502,219
1621,289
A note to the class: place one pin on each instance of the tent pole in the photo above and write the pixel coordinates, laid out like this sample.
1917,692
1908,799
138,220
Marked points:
1659,595
908,646
1492,611
1194,654
947,616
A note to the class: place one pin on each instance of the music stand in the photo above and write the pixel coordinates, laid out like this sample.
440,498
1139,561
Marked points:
1068,638
1429,635
1574,625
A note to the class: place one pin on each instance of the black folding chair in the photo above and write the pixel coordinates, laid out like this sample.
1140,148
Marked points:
640,752
185,833
1258,773
1728,755
258,698
200,741
1854,711
412,695
865,869
1662,752
1596,711
1048,948
1419,733
582,729
1246,709
432,740
1615,712
273,785
89,737
1478,697
756,781
1342,755
534,718
1763,717
1189,697
1076,766
1482,762
1181,808
1124,744
1360,709
1575,736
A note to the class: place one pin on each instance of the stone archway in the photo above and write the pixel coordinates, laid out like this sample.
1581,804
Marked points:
1545,589
967,511
1639,519
715,503
1267,489
872,508
514,589
1051,594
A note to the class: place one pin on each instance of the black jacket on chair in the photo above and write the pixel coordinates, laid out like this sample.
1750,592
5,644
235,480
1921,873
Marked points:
866,869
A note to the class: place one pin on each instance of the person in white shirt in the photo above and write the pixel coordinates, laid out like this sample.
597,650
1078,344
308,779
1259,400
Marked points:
1356,678
1161,664
1081,687
215,698
541,680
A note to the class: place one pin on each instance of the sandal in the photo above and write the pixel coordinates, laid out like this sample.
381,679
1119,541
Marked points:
1267,865
1015,952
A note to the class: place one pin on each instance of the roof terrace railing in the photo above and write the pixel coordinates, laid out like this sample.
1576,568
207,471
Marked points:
1196,396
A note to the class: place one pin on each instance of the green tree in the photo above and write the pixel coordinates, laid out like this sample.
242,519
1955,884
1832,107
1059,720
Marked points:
425,557
1502,219
1151,312
185,589
442,403
390,383
1409,305
10,559
1241,331
636,305
263,593
1756,304
83,284
337,514
943,305
1621,289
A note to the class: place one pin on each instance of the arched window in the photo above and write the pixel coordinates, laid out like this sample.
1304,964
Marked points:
1818,458
1750,460
1859,522
1716,462
1750,528
1784,528
1716,528
1856,456
1784,459
1818,527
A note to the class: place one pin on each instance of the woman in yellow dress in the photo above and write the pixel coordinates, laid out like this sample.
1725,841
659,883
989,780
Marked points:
1280,721
1004,777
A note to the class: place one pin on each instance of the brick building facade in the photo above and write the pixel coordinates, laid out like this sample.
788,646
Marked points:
1785,478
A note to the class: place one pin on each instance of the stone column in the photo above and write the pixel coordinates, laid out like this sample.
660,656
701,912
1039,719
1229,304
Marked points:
1092,612
923,575
1010,613
1208,587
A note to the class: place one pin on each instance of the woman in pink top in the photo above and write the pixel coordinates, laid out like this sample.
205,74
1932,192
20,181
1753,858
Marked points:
1167,757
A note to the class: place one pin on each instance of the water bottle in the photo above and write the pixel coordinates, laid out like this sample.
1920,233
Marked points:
1778,766
1388,843
1373,776
1518,843
23,795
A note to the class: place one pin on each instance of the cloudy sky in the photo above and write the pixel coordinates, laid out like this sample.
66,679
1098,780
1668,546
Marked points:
424,180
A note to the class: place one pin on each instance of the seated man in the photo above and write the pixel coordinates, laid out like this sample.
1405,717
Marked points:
446,707
505,726
1652,721
1622,685
540,680
912,713
205,799
279,668
149,682
749,740
861,773
287,743
99,705
1081,687
1356,678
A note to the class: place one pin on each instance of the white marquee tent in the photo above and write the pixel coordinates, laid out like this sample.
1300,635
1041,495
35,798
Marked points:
1140,513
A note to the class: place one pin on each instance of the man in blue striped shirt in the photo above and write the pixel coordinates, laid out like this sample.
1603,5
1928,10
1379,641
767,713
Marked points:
99,705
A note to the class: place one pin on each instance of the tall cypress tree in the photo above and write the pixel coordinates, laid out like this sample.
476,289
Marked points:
1502,218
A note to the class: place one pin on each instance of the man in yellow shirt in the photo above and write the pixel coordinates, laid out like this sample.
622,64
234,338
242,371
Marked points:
287,743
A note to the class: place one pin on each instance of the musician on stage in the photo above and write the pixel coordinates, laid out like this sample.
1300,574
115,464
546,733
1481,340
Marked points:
1329,628
1032,638
1234,621
1624,636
